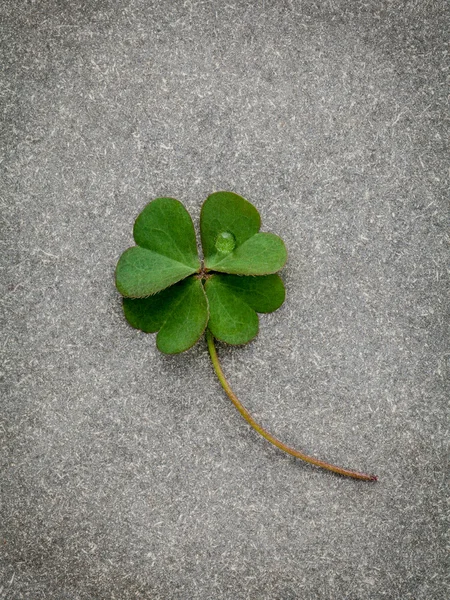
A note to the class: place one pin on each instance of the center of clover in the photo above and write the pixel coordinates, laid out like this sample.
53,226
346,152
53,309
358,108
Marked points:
225,242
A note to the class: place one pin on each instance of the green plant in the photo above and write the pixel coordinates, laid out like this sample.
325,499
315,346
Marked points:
169,290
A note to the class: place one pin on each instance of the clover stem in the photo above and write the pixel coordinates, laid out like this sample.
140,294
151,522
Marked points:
269,437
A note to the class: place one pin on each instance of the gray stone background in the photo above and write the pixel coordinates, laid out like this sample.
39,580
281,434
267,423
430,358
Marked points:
129,474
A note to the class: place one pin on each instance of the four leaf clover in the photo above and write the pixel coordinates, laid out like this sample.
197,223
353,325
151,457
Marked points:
167,288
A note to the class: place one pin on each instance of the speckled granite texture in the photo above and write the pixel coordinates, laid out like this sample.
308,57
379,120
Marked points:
126,474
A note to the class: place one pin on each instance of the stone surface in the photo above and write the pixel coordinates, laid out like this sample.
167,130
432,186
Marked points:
128,474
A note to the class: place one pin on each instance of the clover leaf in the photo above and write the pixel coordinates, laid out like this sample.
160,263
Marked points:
168,289
166,250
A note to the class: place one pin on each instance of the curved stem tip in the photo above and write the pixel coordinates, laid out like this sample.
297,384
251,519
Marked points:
268,436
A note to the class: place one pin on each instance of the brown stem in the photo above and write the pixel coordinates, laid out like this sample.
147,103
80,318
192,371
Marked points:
268,436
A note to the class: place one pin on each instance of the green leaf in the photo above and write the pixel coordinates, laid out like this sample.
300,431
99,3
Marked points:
179,313
149,314
186,320
160,293
262,254
166,251
231,242
231,319
264,294
165,227
141,272
229,214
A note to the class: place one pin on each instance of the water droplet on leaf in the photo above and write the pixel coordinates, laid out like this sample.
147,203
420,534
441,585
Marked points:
225,242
